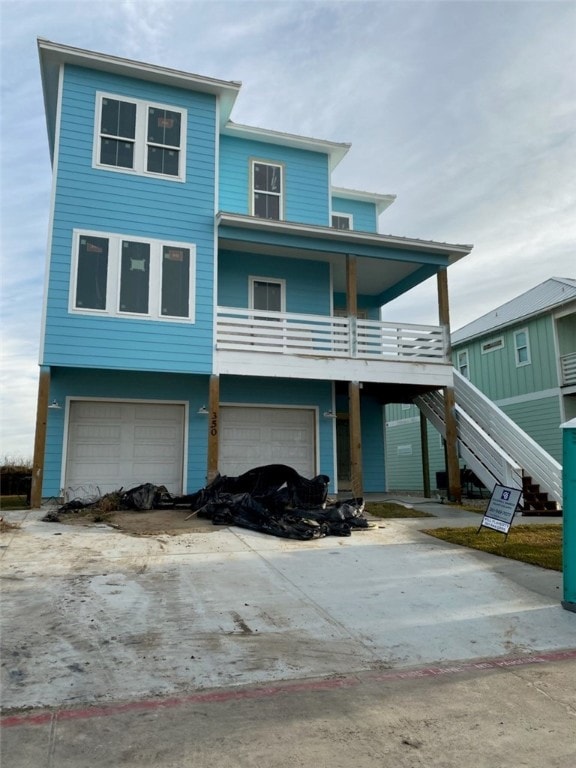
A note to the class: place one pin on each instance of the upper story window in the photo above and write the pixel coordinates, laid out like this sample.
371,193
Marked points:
125,276
267,194
462,363
522,347
492,345
267,294
342,220
138,136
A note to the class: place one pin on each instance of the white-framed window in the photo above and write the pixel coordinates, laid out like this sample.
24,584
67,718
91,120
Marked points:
462,363
267,294
522,347
267,184
492,345
342,221
135,136
126,276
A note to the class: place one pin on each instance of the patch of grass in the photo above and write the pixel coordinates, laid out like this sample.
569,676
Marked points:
389,509
13,502
535,544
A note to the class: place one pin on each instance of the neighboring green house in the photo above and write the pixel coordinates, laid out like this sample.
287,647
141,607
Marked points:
522,356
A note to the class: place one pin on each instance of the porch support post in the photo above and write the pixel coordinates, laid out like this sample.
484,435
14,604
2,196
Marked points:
40,438
351,286
213,426
452,464
355,439
425,456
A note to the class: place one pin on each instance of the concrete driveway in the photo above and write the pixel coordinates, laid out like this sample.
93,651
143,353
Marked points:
91,615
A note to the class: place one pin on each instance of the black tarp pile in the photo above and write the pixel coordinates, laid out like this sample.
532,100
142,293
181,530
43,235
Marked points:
273,499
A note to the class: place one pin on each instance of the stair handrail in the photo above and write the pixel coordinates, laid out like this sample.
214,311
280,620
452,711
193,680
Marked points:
534,460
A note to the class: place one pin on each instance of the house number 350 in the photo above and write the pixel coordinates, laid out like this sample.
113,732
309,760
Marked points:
214,424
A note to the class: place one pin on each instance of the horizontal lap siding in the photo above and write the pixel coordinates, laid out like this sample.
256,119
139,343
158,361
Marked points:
364,217
120,384
404,472
306,179
307,282
126,204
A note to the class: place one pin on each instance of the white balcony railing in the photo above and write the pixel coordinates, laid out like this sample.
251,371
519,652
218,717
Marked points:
326,336
568,369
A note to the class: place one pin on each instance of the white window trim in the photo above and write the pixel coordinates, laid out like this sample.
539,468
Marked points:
113,277
140,142
279,281
256,161
343,216
496,343
459,366
520,364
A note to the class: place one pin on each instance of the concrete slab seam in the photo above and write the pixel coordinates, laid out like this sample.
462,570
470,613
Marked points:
213,696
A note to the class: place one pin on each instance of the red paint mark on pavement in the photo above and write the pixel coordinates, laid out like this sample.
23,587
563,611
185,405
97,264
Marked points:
86,713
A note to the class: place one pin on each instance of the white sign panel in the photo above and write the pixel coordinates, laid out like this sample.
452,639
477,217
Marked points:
501,508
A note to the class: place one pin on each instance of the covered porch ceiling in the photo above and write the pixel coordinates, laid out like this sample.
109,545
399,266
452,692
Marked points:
387,266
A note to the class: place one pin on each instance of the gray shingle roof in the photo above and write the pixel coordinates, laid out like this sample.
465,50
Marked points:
547,295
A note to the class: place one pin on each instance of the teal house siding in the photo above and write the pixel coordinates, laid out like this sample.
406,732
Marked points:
496,372
364,216
306,179
541,420
116,385
307,282
109,201
373,459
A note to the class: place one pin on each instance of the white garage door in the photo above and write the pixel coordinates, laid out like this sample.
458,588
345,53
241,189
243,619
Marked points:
252,437
121,445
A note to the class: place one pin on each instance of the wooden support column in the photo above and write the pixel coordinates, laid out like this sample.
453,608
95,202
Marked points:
40,438
213,427
355,439
452,463
425,456
354,386
351,286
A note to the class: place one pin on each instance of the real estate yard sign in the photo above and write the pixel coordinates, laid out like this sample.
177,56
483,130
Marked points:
501,509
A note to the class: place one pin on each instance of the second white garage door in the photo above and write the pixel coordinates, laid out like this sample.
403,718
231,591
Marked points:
123,444
252,437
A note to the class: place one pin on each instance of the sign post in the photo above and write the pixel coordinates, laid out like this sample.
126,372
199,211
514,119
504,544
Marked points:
501,509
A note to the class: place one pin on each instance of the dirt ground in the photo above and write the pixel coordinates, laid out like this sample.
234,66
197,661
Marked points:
153,522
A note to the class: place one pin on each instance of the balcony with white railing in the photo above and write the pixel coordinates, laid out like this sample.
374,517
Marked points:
346,340
568,370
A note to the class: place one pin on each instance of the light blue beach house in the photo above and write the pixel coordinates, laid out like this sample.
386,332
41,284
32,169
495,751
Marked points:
212,301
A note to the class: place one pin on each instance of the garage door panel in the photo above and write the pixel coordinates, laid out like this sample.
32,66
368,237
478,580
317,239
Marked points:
255,436
113,445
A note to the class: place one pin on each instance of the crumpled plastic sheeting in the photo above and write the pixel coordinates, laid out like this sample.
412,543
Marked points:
275,499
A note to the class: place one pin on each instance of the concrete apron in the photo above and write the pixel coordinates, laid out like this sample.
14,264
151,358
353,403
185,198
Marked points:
93,615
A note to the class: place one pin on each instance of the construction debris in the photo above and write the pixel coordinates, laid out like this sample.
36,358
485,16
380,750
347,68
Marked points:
273,499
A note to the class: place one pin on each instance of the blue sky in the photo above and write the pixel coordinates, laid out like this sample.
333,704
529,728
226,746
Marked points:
465,110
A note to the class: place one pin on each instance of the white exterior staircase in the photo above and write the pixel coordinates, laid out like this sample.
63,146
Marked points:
496,449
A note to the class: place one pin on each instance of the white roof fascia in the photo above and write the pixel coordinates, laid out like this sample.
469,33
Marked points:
453,251
53,54
381,201
336,150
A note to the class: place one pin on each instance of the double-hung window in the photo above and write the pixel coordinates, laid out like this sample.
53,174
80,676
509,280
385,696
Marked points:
522,347
141,137
125,276
463,364
342,220
267,196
